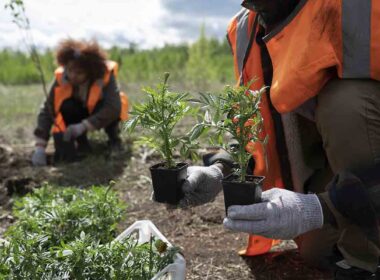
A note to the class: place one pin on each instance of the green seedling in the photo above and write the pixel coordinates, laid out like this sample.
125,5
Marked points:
28,257
62,214
158,117
68,233
234,112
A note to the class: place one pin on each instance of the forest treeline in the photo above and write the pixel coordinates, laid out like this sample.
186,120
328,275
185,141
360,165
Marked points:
204,62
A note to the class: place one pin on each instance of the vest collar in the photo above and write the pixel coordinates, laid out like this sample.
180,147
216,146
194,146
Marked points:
65,79
282,25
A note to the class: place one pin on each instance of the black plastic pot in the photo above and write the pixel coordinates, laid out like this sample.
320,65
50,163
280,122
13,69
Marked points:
241,193
167,182
64,150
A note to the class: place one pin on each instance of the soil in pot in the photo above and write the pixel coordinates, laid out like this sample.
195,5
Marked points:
167,182
241,193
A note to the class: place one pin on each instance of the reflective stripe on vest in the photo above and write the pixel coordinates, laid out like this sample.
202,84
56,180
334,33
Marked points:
242,41
242,44
356,25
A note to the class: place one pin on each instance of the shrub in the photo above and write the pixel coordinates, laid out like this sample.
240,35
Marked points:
63,213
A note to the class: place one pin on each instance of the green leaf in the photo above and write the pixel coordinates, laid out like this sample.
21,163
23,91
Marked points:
66,253
196,131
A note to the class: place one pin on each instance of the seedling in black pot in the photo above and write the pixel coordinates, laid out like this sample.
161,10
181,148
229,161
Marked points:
235,112
157,117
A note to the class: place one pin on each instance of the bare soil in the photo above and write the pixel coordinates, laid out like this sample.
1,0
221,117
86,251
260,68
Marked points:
210,250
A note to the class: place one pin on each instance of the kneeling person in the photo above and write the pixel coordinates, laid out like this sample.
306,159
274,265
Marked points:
84,97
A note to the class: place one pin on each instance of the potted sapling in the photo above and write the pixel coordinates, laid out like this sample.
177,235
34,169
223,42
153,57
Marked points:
158,118
235,113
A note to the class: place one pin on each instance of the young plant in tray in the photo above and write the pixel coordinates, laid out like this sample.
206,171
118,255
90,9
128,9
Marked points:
236,113
158,118
68,233
62,214
29,256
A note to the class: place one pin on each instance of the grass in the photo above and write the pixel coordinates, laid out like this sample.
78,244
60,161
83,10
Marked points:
19,107
18,110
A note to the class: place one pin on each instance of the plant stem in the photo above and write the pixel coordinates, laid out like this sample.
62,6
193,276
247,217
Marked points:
167,151
168,154
242,162
150,256
40,70
22,21
242,147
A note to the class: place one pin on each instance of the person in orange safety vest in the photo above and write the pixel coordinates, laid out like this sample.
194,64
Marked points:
84,97
321,61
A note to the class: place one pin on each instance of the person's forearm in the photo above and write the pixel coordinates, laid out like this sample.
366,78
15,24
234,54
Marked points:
44,124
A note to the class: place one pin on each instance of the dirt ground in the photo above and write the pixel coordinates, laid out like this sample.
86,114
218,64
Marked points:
210,251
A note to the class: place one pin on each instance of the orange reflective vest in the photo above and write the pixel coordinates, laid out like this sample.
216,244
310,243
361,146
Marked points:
320,39
64,89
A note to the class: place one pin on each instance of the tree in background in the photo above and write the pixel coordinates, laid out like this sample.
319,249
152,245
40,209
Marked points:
207,62
199,67
20,18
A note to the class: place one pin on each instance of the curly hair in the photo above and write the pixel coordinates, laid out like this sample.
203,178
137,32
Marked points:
87,55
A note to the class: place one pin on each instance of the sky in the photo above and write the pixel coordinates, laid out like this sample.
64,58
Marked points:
147,23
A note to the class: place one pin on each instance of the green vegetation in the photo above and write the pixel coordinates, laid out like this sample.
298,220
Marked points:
29,257
187,64
234,112
19,17
159,116
18,68
198,71
62,214
67,234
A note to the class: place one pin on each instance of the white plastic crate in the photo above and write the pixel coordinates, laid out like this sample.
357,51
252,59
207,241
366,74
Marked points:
146,229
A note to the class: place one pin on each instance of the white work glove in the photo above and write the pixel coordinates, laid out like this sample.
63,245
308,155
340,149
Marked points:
73,131
282,215
201,186
39,156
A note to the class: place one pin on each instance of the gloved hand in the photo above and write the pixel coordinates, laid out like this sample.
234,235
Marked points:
282,215
73,131
39,156
201,186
